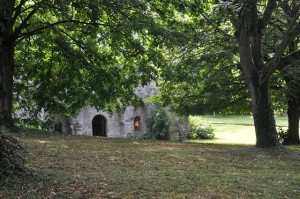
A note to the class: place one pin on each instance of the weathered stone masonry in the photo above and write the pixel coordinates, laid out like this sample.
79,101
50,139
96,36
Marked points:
122,124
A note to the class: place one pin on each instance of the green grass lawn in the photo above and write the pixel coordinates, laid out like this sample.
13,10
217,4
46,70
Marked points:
94,167
241,119
235,129
232,134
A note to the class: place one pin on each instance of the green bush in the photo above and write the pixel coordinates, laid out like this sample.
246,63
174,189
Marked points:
200,129
158,124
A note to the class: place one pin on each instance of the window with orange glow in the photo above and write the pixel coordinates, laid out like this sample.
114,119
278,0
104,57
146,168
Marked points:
137,123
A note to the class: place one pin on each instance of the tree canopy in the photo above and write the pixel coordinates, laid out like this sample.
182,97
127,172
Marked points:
256,36
204,76
63,55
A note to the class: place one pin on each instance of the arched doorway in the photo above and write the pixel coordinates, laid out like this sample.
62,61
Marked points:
99,126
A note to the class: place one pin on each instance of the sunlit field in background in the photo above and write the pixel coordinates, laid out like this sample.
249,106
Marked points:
235,129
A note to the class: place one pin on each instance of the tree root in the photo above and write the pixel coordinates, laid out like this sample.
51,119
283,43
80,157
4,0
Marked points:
11,160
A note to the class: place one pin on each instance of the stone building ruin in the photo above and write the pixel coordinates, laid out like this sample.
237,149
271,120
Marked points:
123,124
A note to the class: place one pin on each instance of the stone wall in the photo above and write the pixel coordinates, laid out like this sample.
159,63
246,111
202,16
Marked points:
82,124
179,127
118,124
121,123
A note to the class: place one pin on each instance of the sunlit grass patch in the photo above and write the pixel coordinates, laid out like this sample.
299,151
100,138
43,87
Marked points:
234,129
240,119
232,134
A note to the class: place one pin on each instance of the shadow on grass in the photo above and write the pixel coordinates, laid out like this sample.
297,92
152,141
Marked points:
89,167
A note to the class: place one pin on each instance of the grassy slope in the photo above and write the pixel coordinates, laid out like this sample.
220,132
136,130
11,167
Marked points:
89,167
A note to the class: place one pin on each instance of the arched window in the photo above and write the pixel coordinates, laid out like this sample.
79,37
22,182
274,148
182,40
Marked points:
137,123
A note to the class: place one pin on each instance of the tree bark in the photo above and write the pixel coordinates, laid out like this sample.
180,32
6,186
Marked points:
6,82
265,127
7,44
291,77
249,35
263,114
293,122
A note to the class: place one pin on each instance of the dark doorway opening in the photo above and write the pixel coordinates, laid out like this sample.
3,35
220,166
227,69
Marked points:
99,126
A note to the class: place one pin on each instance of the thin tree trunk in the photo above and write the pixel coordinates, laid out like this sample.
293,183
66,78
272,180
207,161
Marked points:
293,120
291,77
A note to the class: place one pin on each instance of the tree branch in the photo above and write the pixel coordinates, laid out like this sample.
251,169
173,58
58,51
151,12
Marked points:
214,25
273,65
285,6
268,13
24,23
290,58
23,36
18,10
78,43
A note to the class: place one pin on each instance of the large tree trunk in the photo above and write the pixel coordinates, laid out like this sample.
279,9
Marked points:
6,82
265,127
263,114
249,37
7,43
293,130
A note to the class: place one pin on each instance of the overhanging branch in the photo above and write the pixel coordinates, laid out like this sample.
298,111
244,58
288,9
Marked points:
274,64
24,22
215,26
23,36
18,10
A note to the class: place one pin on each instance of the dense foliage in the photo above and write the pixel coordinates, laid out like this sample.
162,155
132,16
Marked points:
64,55
158,123
232,60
